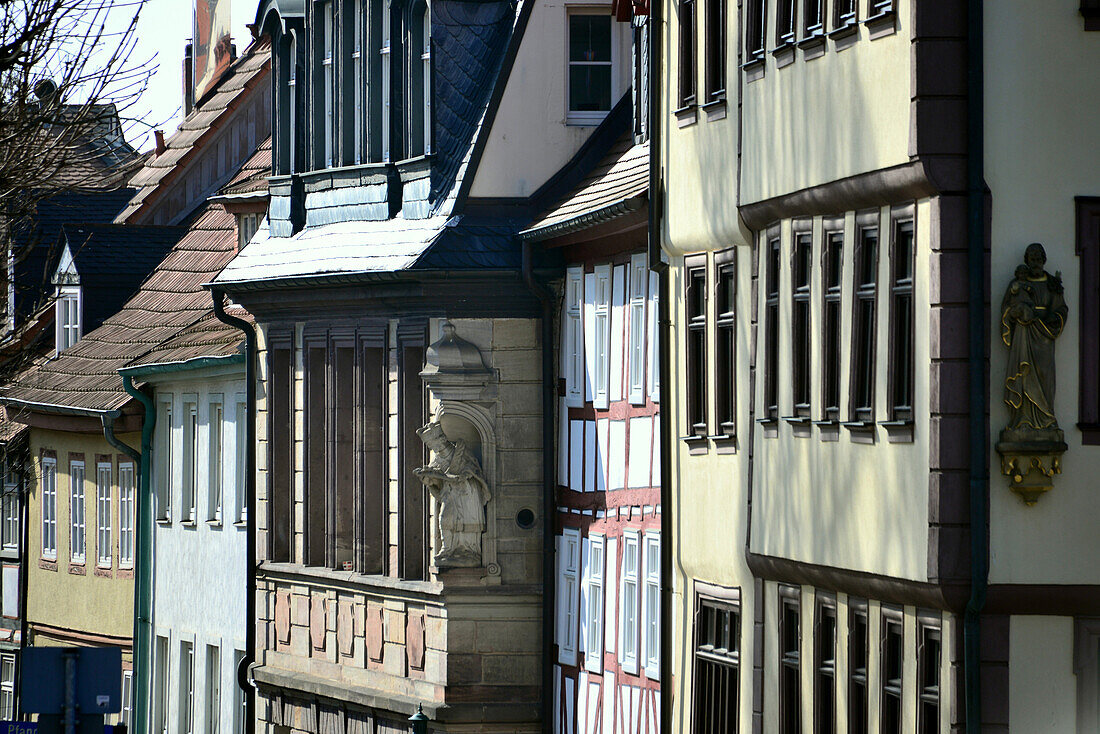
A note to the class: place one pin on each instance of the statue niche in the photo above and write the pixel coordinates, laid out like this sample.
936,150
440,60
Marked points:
1033,315
455,480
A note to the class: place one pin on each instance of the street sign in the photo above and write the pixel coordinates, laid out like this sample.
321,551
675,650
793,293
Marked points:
18,727
96,684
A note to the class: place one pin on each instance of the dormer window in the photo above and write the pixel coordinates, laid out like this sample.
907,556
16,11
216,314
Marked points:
385,54
426,64
591,75
247,224
67,317
327,106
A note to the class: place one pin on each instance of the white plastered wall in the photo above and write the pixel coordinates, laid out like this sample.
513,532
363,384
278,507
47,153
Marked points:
1042,686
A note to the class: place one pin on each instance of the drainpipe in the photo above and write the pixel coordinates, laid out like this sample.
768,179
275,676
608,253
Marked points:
546,300
143,560
979,463
249,332
24,583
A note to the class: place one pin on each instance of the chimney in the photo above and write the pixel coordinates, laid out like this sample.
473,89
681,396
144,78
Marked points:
158,135
188,80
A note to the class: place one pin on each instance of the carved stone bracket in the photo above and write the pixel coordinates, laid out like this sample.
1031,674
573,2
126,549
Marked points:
1031,466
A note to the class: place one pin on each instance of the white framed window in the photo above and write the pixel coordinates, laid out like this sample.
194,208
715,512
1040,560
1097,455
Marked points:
328,82
9,523
187,688
103,477
590,79
215,448
636,351
127,714
385,53
426,63
240,448
651,606
567,599
49,508
213,688
573,338
126,515
247,224
592,602
67,317
7,687
628,604
190,414
163,457
160,686
602,336
654,376
77,540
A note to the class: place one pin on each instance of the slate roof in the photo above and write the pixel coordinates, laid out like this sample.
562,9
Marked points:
160,171
616,184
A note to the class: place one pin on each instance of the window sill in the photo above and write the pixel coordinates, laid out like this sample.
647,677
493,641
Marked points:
584,119
47,564
188,524
77,569
770,426
103,572
829,429
784,54
899,431
881,25
724,443
862,431
800,425
214,524
241,524
847,30
753,69
164,521
813,46
696,445
686,115
716,108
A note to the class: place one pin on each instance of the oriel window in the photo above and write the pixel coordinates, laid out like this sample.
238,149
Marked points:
697,350
590,67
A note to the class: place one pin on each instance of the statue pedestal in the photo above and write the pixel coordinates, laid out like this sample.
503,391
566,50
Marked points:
467,576
1030,462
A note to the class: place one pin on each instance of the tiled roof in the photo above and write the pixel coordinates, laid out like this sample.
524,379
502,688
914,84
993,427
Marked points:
252,178
207,337
620,179
161,170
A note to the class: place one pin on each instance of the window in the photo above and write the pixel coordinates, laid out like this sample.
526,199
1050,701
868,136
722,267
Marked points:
190,457
160,687
355,114
651,606
696,300
771,326
602,336
592,603
567,613
790,639
9,523
103,477
639,53
639,280
844,13
240,710
628,604
800,313
127,714
654,376
858,660
755,25
715,73
901,322
247,224
240,446
825,667
686,78
890,672
813,18
77,541
833,254
49,508
863,336
590,67
573,338
880,7
385,52
1088,249
68,317
164,459
328,84
785,24
293,95
717,667
928,670
215,448
126,515
187,688
426,67
7,687
725,359
213,688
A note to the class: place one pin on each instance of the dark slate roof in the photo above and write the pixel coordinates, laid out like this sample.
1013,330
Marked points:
474,243
469,39
112,260
40,244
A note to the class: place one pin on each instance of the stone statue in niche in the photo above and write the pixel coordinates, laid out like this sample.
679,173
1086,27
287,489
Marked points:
1033,315
455,479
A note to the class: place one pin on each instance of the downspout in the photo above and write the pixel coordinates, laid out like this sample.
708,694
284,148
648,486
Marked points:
250,503
143,561
24,580
664,349
979,464
546,300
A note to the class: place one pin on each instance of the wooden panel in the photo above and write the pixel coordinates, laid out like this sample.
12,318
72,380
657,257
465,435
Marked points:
281,474
315,414
342,489
372,494
413,517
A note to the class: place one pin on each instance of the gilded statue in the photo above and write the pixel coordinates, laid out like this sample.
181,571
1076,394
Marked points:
455,480
1033,314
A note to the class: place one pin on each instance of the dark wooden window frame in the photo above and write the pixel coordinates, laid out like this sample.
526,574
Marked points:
929,682
864,324
687,63
825,657
790,660
832,289
725,342
755,37
715,57
901,367
770,252
845,18
1088,250
712,712
786,24
813,20
801,270
280,427
859,649
696,300
413,545
891,689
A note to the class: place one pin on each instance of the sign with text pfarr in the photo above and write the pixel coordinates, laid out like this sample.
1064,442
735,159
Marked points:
18,727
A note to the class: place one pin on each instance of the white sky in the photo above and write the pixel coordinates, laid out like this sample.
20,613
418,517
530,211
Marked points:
163,30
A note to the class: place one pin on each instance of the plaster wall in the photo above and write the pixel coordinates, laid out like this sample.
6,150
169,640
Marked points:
1042,146
200,567
827,118
1042,686
77,597
846,503
530,124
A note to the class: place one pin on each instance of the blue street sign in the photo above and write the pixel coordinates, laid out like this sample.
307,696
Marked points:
97,685
18,727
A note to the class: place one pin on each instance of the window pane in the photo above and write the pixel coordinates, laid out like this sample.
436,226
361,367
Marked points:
589,88
590,38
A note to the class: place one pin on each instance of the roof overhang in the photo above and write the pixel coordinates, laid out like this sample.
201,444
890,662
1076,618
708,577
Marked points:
583,221
197,363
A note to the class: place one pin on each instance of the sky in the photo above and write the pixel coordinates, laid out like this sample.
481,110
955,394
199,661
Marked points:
163,29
